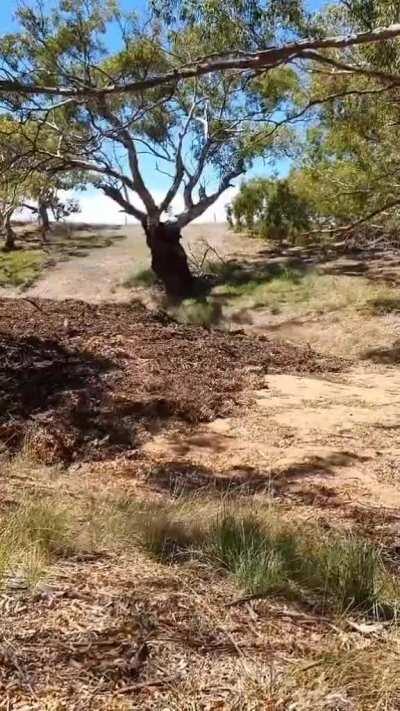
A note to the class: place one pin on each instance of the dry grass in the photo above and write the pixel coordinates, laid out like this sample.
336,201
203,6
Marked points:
283,289
111,573
363,675
118,596
266,555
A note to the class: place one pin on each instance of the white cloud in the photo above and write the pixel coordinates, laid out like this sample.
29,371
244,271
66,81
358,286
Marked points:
96,208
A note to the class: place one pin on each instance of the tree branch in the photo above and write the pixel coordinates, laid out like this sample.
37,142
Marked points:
127,141
127,206
346,229
195,210
238,61
352,68
179,164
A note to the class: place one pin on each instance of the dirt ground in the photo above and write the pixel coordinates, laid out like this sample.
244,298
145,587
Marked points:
340,433
85,380
99,275
128,401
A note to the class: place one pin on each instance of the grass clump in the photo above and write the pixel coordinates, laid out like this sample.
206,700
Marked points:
239,544
345,572
169,537
333,572
32,536
43,525
145,277
39,532
364,677
20,267
199,312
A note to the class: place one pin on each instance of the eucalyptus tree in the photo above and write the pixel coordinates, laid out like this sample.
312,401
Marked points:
202,133
12,189
43,196
200,92
272,209
350,168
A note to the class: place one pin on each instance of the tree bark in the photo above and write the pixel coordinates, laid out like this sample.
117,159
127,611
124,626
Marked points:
9,243
43,218
169,260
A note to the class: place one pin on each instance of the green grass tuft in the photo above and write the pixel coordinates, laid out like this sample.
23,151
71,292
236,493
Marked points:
199,312
20,267
334,572
145,277
239,544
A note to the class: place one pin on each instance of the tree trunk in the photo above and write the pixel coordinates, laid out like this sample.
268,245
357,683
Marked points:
169,260
43,218
9,243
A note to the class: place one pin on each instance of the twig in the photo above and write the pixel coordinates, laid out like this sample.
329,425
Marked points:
144,684
247,598
33,303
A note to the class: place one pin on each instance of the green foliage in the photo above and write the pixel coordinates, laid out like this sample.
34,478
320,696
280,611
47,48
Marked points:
223,24
22,180
145,277
349,167
20,268
207,131
204,132
267,555
198,312
270,209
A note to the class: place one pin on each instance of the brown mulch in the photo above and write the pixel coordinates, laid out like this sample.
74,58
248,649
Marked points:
81,381
127,633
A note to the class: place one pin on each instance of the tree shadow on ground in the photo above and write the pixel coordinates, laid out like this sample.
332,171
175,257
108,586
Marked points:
69,240
58,400
56,392
234,277
184,478
384,305
179,478
384,356
339,259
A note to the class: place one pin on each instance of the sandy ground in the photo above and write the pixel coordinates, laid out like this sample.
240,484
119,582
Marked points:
100,275
325,441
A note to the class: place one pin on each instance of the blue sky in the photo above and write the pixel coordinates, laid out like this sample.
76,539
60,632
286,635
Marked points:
98,208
